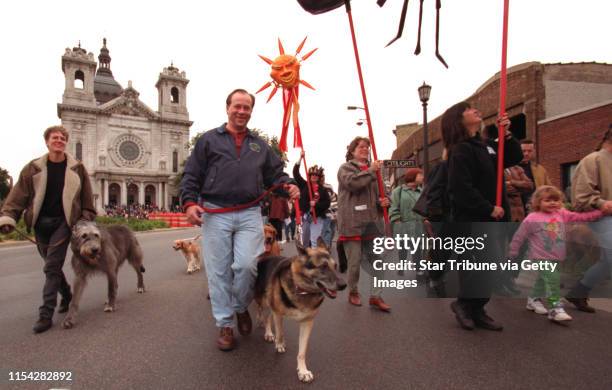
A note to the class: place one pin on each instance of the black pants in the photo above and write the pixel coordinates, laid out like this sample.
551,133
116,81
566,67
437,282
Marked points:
53,256
278,225
475,287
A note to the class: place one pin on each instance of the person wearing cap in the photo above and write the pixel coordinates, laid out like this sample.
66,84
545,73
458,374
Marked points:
404,220
320,203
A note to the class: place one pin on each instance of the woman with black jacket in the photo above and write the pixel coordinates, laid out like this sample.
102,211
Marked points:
320,202
472,185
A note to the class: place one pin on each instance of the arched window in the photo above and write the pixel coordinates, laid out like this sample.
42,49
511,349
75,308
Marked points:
175,161
79,151
174,95
79,79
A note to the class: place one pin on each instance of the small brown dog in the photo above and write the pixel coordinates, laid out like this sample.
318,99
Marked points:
271,247
190,248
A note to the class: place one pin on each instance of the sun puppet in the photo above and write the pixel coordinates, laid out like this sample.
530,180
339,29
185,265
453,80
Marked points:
285,74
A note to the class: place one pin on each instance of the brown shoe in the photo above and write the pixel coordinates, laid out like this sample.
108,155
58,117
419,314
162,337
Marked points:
226,342
354,299
245,325
378,303
581,304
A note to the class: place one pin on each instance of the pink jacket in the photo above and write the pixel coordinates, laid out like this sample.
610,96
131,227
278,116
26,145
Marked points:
546,233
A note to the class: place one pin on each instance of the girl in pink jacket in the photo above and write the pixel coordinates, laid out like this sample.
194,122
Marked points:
544,229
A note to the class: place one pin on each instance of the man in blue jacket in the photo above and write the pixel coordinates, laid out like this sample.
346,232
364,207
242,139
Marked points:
229,167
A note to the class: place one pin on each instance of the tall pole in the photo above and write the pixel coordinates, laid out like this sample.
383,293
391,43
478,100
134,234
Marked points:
425,142
381,189
501,133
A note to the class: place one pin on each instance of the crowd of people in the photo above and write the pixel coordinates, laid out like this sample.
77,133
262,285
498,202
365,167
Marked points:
222,191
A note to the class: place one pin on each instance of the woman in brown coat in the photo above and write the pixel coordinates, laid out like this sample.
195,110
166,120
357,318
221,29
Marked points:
359,208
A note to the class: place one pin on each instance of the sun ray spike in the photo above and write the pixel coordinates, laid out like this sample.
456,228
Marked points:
309,54
266,59
281,50
299,49
272,93
307,84
266,85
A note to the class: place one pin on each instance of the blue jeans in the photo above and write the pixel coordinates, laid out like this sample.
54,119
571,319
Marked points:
327,234
231,243
310,230
599,271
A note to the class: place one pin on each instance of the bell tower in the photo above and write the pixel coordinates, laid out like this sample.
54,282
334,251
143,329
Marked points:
79,68
172,93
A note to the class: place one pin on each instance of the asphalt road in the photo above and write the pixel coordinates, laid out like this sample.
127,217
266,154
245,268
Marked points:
165,339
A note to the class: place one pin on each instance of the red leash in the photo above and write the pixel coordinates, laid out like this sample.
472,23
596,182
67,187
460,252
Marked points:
242,206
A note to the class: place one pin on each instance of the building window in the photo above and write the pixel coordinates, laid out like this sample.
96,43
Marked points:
174,95
518,128
567,172
175,161
79,151
79,79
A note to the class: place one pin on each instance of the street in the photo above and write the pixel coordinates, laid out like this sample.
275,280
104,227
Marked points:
165,338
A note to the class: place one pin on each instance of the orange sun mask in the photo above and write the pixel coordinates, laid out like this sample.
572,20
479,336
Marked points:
286,75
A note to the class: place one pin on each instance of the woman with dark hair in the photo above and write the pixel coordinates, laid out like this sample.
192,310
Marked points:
472,185
359,209
320,202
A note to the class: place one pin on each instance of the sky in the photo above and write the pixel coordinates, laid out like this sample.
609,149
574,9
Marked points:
217,43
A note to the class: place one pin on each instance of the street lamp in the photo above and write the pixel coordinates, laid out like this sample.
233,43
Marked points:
424,91
354,108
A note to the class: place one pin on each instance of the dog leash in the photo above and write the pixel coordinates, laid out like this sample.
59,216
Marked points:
48,246
245,205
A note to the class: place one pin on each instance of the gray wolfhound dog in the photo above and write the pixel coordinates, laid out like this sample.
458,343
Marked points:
101,249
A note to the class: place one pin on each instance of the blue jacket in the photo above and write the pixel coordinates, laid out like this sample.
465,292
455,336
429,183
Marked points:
216,174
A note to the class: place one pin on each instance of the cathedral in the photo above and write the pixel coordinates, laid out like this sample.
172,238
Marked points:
132,153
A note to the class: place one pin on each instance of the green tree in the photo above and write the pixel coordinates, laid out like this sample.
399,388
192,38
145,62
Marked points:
5,183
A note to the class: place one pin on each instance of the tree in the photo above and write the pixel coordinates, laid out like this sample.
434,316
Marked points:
6,182
272,141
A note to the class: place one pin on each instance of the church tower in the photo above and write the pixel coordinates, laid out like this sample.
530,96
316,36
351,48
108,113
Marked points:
172,93
79,68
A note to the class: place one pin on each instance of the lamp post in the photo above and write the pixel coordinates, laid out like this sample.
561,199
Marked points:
424,91
350,108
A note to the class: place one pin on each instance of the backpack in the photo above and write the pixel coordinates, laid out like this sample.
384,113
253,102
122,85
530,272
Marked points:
434,202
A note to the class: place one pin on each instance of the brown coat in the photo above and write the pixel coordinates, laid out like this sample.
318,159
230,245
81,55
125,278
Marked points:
540,176
592,181
357,199
29,193
517,183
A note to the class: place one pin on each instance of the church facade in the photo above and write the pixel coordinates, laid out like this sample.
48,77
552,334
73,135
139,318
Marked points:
132,153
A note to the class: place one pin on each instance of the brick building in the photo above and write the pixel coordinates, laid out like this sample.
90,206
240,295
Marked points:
554,104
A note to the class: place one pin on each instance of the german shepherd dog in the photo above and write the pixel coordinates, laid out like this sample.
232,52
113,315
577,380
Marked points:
96,248
295,287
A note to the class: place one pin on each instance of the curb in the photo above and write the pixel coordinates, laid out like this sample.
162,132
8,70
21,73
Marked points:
16,244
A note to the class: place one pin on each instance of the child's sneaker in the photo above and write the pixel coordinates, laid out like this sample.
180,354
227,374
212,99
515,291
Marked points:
536,305
558,314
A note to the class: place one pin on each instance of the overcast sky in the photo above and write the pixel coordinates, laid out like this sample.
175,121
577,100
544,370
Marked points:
217,44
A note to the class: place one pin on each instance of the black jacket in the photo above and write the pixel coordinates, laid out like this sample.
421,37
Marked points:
322,206
218,175
472,178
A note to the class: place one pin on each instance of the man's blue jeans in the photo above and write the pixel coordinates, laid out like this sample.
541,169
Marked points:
231,243
311,231
599,271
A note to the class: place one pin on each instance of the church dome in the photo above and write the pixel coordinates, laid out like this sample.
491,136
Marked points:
106,88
